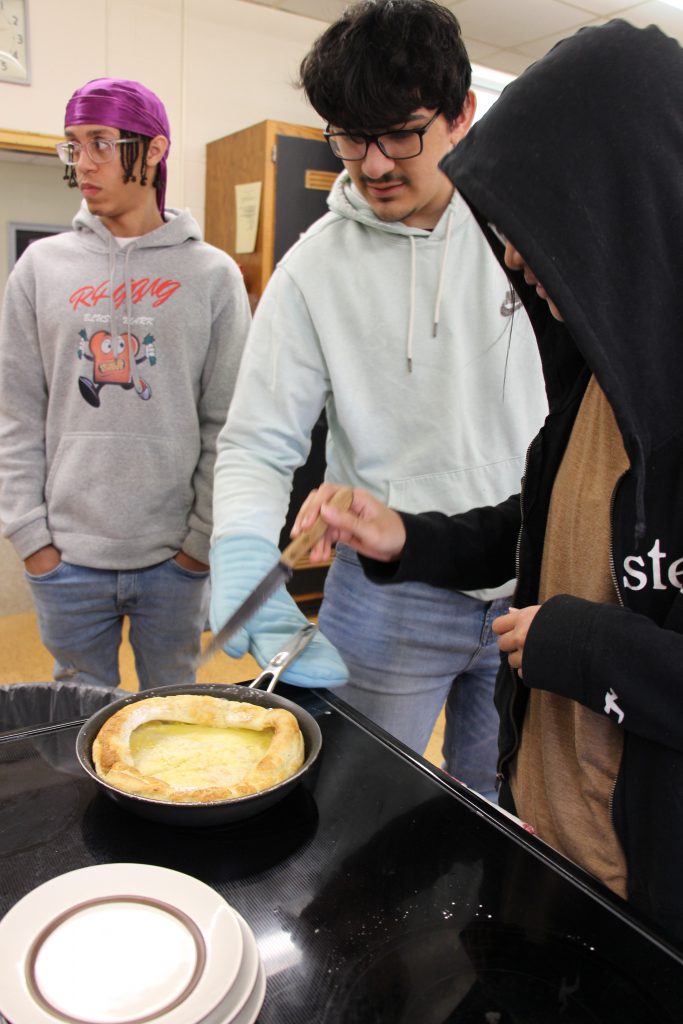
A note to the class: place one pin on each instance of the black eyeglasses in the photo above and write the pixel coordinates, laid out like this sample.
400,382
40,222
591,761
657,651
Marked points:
403,144
100,151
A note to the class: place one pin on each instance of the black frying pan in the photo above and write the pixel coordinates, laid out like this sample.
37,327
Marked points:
223,811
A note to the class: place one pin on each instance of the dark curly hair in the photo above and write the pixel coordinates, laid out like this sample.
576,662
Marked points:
385,58
128,156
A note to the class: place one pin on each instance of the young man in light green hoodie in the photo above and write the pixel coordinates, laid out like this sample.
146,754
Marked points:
119,348
393,315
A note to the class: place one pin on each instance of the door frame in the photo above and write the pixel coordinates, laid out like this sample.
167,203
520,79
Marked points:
29,142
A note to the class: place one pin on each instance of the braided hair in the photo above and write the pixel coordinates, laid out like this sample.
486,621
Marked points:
128,156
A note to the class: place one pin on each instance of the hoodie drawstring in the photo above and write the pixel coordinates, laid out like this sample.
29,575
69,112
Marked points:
411,314
141,388
128,285
112,271
442,274
439,291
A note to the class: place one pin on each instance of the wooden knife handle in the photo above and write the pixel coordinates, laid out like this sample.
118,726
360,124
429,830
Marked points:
300,547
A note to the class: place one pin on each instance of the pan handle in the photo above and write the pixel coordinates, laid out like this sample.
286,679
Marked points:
279,662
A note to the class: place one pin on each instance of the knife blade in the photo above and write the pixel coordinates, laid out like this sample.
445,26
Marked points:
281,573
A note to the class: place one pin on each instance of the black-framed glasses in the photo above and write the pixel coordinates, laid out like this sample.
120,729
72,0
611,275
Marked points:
100,151
403,144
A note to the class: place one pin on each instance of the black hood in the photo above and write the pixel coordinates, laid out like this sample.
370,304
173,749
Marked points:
580,164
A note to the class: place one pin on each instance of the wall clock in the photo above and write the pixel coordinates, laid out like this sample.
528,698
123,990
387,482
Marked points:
14,66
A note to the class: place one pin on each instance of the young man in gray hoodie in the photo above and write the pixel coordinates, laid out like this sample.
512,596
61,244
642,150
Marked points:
119,348
393,314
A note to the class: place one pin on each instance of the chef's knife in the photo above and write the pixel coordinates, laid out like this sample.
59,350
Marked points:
281,573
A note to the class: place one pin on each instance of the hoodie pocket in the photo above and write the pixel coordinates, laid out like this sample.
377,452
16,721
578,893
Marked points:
115,486
458,490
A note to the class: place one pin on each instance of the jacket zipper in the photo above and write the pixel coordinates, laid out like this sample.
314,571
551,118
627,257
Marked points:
615,581
613,571
521,509
610,804
506,758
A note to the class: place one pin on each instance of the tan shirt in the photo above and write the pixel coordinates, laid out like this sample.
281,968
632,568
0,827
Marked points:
569,756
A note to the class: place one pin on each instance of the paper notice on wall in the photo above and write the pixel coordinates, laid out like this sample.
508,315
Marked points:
247,206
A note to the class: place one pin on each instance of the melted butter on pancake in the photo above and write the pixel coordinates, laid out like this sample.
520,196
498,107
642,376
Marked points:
197,748
189,756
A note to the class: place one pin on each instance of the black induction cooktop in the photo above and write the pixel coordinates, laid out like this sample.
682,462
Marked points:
379,890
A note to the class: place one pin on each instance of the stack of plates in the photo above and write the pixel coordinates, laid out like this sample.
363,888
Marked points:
123,943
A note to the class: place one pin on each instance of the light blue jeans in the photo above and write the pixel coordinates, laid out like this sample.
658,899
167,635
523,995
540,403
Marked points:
410,649
80,615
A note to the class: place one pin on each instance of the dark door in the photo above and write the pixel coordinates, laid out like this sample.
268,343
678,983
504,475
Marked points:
305,169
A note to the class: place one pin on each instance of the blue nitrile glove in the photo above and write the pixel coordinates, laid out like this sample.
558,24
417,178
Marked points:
238,564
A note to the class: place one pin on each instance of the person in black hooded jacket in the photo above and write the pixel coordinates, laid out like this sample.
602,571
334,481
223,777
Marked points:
575,178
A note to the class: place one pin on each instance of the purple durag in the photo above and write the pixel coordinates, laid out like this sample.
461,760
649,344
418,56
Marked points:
120,103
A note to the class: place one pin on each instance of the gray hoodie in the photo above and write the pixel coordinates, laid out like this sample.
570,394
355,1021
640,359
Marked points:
117,365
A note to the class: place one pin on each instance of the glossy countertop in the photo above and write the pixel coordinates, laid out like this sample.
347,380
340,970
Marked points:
379,890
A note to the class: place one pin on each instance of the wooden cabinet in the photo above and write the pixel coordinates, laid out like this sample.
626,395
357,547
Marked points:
296,169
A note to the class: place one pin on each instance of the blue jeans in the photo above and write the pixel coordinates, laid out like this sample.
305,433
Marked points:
80,616
410,649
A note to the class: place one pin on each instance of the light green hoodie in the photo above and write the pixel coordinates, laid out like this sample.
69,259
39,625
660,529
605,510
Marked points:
432,389
117,365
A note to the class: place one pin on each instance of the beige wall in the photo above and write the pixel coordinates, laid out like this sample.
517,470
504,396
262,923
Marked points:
218,65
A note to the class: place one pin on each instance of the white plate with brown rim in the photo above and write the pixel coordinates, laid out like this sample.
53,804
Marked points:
119,944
